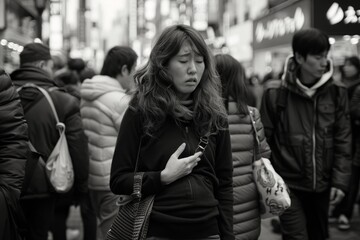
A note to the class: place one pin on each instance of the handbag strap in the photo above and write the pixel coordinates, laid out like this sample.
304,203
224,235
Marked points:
204,140
257,155
137,175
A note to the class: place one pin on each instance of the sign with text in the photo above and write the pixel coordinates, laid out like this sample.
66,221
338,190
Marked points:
278,28
337,17
2,15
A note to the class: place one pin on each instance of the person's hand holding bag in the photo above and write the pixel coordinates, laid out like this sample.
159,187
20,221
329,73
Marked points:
179,167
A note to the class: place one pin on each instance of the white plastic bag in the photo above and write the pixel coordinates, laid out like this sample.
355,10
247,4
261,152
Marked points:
59,166
273,192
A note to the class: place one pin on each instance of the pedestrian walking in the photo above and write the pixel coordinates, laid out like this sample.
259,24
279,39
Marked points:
175,109
246,199
13,155
36,68
104,99
351,78
307,126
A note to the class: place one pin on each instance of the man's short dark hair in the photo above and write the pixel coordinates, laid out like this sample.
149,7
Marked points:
116,58
310,41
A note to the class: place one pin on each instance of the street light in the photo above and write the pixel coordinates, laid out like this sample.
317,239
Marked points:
40,6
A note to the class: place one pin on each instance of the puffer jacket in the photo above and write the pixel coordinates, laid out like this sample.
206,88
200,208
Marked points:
42,125
103,104
310,138
246,204
13,135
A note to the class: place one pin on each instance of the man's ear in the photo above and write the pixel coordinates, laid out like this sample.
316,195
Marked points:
41,64
124,70
299,58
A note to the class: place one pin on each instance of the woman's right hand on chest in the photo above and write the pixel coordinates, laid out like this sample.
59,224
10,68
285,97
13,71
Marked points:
179,167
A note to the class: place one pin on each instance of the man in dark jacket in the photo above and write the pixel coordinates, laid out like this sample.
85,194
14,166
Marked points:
13,153
36,68
307,125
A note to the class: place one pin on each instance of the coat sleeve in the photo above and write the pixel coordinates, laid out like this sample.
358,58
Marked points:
264,147
342,143
13,135
224,193
268,114
355,104
124,158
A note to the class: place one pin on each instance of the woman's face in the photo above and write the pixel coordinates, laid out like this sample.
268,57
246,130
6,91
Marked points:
349,70
186,69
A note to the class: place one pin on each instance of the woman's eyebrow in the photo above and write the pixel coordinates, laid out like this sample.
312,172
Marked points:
184,54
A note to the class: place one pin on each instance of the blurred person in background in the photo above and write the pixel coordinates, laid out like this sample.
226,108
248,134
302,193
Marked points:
307,126
247,222
104,99
13,154
36,67
350,76
69,78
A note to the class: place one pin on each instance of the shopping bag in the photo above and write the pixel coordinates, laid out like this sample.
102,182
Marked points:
59,167
274,196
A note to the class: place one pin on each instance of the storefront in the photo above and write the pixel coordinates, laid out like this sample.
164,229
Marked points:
17,28
272,34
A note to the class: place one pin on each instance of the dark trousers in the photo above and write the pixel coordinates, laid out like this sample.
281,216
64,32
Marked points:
58,228
307,218
39,215
89,219
5,230
346,206
88,216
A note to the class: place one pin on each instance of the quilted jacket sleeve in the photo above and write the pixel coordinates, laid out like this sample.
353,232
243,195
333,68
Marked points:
264,147
13,135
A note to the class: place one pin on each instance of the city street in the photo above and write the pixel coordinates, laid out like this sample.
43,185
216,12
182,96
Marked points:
75,228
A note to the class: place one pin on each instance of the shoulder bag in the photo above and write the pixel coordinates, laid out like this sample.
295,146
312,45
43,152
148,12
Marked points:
59,167
274,196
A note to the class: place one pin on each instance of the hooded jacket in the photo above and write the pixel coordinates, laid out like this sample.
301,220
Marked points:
103,104
42,125
310,138
246,199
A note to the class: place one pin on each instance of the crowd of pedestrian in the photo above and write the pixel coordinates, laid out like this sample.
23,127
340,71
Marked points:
155,119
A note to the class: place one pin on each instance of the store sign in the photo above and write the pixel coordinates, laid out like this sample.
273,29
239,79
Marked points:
341,17
2,15
279,27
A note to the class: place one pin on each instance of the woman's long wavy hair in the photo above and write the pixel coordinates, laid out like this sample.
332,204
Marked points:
156,96
233,77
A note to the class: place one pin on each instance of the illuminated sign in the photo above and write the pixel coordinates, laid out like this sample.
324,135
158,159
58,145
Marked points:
279,27
341,17
2,15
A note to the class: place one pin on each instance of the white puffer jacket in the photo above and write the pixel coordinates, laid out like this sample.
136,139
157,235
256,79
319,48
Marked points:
103,104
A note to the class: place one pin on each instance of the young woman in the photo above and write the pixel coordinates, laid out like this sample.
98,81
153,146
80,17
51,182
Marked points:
177,102
246,199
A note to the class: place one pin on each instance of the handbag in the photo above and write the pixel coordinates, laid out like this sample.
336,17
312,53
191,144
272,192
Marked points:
132,219
274,196
58,167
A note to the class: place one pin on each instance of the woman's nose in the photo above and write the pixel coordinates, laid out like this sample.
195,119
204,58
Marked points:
192,67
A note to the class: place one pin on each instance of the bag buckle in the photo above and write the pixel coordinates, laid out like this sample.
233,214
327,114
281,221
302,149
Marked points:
202,144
